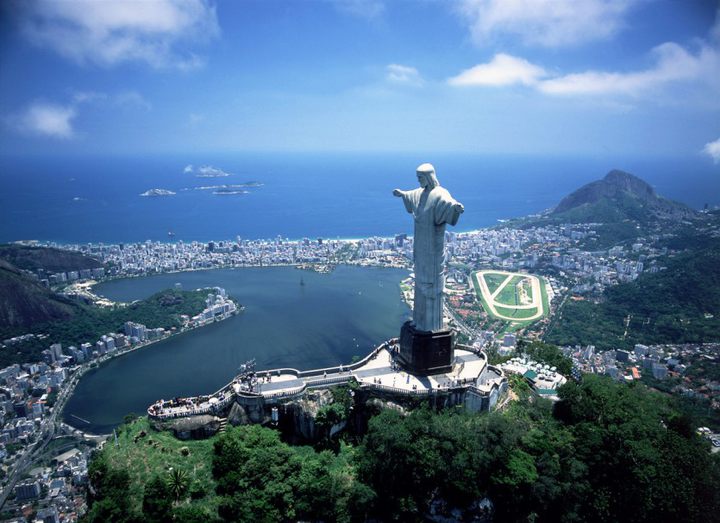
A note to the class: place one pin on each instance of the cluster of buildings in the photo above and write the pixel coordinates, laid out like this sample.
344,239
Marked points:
217,307
55,493
562,249
11,342
150,257
625,365
671,362
59,278
24,399
542,378
133,259
28,395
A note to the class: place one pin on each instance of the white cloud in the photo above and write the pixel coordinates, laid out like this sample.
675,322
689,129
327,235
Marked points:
403,74
503,69
549,23
111,32
48,120
712,149
188,168
673,63
208,171
56,119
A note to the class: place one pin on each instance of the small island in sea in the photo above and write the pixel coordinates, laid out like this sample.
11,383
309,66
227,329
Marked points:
238,188
158,192
229,190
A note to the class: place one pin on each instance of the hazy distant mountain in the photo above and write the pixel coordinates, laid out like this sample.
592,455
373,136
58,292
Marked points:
24,302
49,259
617,197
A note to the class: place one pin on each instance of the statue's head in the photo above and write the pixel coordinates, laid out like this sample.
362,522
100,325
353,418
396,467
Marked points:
426,176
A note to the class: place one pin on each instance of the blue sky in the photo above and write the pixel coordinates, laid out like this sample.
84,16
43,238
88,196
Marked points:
615,77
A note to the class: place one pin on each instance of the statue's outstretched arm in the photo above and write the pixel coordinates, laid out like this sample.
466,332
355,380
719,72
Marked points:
406,198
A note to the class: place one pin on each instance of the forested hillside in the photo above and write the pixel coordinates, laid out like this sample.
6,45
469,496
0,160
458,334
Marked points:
677,305
605,452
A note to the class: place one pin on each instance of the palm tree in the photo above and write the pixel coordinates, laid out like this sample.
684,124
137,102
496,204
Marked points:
178,482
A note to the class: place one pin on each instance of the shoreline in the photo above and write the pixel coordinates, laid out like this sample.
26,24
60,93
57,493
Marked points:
69,244
85,367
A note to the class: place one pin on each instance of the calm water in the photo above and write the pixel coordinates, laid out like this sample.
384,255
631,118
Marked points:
330,195
325,322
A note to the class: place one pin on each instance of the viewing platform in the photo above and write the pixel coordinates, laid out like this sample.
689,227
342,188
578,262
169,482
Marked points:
470,380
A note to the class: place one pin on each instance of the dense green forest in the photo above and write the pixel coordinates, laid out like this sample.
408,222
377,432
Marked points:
160,310
677,305
604,452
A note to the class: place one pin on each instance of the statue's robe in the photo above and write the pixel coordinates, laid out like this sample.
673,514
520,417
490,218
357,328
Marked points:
432,210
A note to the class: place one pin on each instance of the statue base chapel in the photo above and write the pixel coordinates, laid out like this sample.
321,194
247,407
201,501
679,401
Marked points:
425,352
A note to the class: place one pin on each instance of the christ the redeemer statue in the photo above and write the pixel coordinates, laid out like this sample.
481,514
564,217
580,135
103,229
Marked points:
432,208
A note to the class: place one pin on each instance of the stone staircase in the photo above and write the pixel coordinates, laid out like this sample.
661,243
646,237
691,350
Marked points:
223,425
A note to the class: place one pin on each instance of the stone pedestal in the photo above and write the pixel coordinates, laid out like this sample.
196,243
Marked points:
423,352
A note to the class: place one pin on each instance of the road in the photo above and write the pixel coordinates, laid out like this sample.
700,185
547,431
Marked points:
48,430
459,323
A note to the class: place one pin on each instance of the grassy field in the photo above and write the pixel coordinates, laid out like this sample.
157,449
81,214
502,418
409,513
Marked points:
520,314
479,293
145,456
494,280
509,295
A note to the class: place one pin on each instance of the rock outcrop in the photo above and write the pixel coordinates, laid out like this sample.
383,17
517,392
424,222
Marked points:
193,427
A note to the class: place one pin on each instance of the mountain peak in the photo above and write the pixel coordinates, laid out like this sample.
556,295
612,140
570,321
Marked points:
628,182
617,196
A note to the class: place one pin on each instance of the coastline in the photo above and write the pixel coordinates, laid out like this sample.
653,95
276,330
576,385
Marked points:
78,373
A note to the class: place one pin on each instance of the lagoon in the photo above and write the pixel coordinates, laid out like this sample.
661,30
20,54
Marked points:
325,322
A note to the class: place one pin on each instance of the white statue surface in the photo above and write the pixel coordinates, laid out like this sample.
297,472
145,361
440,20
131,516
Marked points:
432,208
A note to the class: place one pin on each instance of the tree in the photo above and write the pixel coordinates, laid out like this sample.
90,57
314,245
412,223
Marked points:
157,501
643,464
192,514
178,483
107,493
415,460
260,478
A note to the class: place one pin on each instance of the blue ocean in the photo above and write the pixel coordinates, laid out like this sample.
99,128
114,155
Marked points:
90,198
